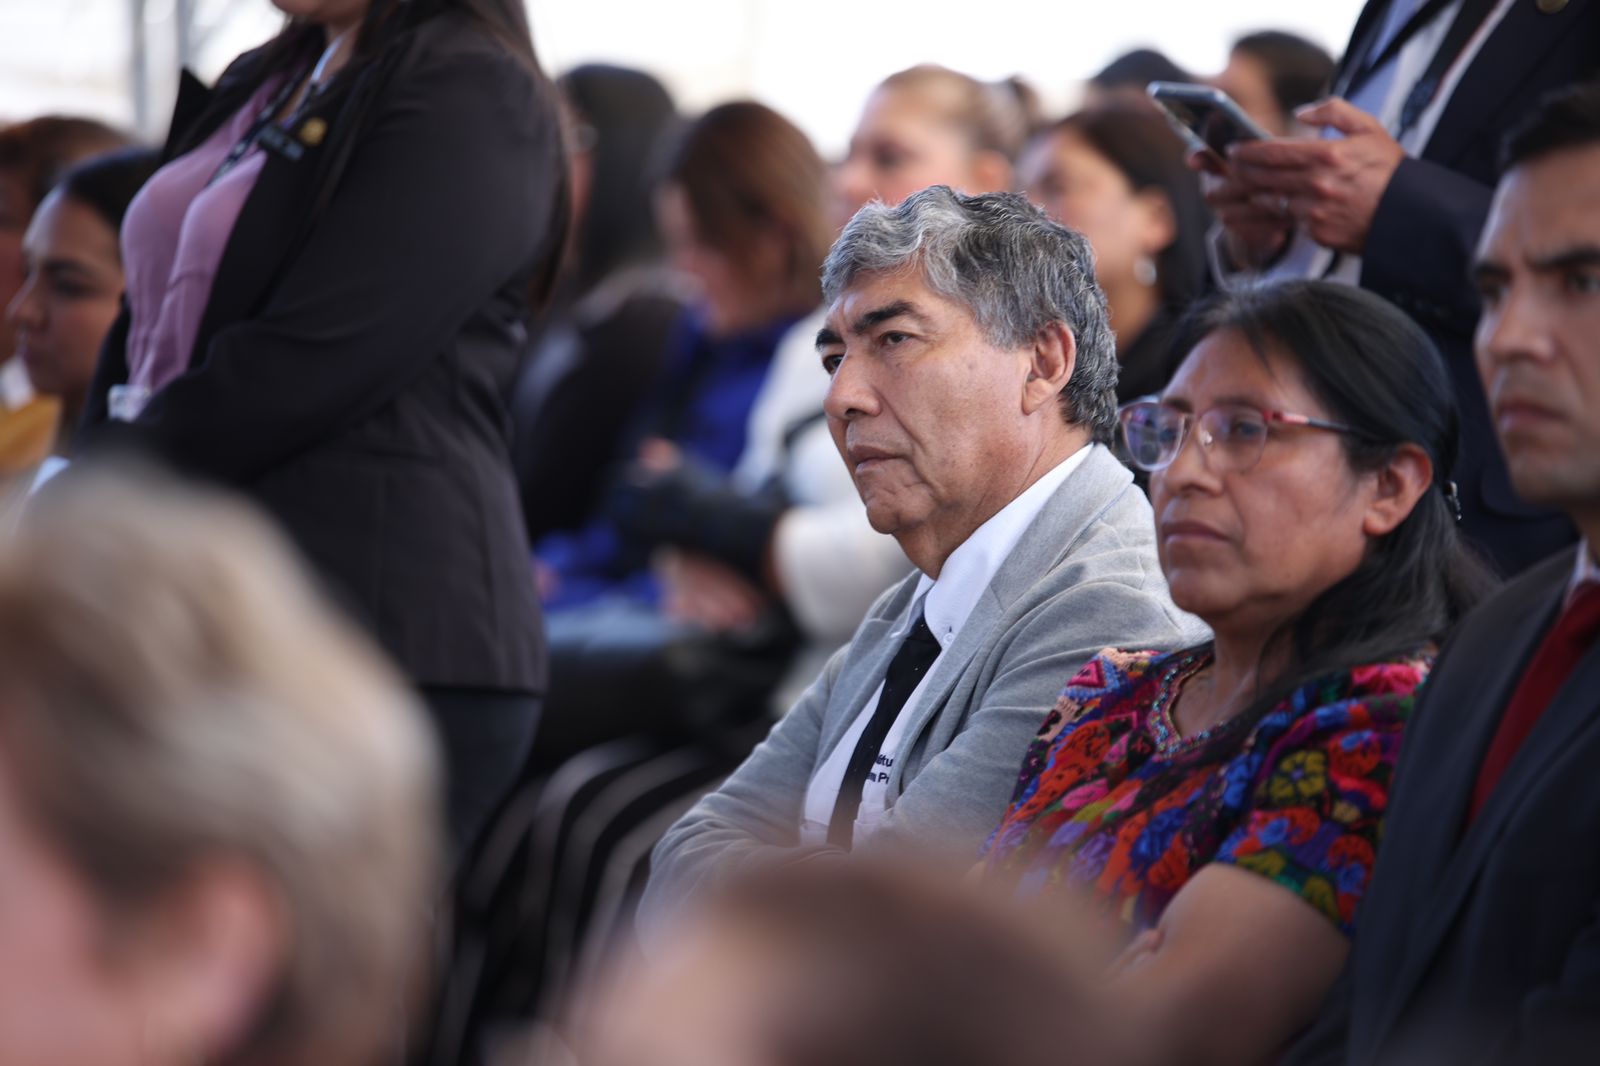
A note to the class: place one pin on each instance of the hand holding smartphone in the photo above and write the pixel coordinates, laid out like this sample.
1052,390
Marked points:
1206,118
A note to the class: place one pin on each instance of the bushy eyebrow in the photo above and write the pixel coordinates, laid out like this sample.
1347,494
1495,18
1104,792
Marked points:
827,335
879,315
1583,255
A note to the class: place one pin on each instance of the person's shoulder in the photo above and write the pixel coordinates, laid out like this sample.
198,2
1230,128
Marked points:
1372,695
1104,686
1114,670
1544,578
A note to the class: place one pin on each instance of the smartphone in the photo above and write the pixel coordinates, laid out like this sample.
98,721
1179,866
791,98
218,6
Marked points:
1206,118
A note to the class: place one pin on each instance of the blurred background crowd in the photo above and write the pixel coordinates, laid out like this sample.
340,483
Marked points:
422,425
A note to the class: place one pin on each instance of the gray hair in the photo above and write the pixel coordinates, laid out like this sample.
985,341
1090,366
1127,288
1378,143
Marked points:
1007,262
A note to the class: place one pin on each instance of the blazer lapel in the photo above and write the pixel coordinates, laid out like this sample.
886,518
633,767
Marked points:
270,224
1513,53
194,97
1442,861
1356,48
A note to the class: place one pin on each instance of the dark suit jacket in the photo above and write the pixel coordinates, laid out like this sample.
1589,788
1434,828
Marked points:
1426,230
1483,946
350,376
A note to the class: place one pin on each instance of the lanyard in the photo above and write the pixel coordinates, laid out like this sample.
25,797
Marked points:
262,121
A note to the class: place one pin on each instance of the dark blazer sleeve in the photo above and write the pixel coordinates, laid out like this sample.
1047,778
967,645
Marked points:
447,196
1423,235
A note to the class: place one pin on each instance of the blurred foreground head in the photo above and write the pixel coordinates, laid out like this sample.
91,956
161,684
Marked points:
859,963
217,804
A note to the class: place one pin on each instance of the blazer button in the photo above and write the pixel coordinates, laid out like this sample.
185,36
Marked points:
1551,7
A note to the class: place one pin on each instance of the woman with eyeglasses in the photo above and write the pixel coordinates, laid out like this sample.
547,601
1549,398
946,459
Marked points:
1224,803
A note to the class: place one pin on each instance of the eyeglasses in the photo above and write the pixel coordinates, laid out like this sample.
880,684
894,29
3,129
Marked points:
1233,435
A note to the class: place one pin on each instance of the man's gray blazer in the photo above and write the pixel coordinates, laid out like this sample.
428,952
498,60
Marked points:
1083,577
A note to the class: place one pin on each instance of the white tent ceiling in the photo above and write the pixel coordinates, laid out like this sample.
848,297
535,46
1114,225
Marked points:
815,61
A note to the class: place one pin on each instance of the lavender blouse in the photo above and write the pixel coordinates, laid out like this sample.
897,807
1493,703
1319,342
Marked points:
172,243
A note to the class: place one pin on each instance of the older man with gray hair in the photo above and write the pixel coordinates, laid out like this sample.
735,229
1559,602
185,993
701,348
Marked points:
973,392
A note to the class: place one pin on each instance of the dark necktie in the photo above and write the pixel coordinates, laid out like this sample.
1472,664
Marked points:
1559,653
917,653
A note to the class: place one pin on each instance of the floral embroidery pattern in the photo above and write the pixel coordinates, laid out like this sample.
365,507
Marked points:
1106,800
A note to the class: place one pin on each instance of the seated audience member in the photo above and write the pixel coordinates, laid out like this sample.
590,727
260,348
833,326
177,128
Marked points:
1478,939
1271,74
73,292
742,209
597,358
1117,175
929,125
218,805
973,385
861,963
1224,802
32,156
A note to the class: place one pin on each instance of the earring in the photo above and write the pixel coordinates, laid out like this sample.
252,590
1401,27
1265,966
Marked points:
1144,271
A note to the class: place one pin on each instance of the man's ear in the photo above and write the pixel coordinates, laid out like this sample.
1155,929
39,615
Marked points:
1400,484
1053,355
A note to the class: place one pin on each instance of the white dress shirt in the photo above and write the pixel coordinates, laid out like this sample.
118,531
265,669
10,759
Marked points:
945,603
1587,570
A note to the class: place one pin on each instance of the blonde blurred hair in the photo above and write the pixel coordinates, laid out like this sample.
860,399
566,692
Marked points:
989,116
173,691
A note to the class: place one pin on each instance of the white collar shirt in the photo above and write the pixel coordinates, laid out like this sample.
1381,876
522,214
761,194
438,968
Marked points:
945,603
1586,572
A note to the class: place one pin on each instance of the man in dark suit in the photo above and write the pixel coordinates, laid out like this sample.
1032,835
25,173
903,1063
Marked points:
1480,934
1394,194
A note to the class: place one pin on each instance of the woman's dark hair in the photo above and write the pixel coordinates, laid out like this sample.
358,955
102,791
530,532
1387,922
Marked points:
39,150
1373,369
108,183
746,171
626,119
1297,69
1138,68
1138,142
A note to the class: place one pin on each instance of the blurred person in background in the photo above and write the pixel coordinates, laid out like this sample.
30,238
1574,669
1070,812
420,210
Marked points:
1225,803
929,125
597,358
73,293
32,156
1124,79
865,963
1117,175
742,211
327,285
219,815
1271,74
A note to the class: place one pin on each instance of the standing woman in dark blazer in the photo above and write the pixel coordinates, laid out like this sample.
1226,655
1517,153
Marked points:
327,289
